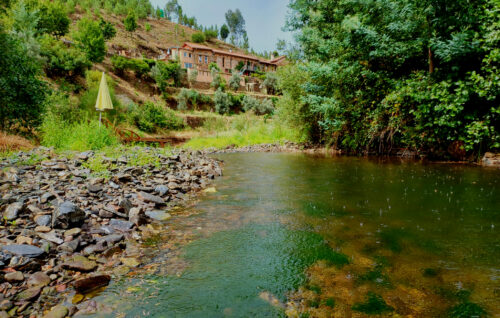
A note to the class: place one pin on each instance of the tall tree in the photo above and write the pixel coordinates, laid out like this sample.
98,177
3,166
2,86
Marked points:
236,24
224,32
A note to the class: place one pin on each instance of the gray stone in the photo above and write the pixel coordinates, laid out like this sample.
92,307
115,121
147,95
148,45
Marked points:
58,311
43,220
121,225
158,215
46,197
161,190
29,293
87,284
51,237
146,197
5,305
136,216
125,204
67,214
12,211
94,188
24,250
14,277
80,263
39,279
70,246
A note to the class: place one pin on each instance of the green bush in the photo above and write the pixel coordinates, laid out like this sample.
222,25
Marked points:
211,34
150,117
108,30
130,22
259,107
61,60
166,74
52,18
198,37
234,81
222,102
91,39
139,66
270,83
79,136
147,27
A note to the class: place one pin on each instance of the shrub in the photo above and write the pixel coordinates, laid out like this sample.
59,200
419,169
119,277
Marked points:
270,83
211,34
183,99
234,81
52,18
91,40
198,37
139,66
163,73
79,136
119,63
151,116
217,81
22,92
258,107
222,102
61,60
147,27
130,22
108,30
192,77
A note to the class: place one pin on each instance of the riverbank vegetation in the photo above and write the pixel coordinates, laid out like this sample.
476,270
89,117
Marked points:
380,75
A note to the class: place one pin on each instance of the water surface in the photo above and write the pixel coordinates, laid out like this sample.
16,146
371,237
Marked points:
290,234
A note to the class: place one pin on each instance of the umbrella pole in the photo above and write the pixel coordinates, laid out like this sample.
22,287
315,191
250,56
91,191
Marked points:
100,118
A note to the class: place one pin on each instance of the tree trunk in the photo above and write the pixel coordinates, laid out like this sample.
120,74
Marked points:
431,61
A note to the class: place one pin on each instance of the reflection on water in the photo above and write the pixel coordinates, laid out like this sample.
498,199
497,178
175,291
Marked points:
287,234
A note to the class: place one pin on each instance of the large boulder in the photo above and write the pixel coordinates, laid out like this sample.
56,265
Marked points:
67,215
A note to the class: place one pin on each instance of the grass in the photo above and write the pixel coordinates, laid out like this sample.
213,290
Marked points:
10,143
240,130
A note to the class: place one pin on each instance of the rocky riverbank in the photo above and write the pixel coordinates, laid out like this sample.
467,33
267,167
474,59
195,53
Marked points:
67,220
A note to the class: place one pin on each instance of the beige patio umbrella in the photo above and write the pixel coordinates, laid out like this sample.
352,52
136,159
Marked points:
103,98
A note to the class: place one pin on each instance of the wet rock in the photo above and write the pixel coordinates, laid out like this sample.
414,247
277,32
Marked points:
121,225
29,293
14,277
68,214
87,284
58,311
38,279
125,205
22,250
80,263
130,261
12,211
136,216
491,159
158,215
146,197
43,220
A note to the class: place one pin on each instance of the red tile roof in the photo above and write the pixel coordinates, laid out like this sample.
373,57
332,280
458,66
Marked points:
215,51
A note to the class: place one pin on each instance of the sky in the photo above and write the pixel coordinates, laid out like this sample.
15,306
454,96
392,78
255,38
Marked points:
264,18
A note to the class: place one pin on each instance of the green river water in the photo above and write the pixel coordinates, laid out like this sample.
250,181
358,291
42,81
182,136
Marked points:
301,236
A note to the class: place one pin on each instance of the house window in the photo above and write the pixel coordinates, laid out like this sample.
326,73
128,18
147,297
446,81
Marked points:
206,59
188,65
189,54
185,54
199,58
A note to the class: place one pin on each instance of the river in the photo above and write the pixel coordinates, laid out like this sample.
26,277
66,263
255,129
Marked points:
291,234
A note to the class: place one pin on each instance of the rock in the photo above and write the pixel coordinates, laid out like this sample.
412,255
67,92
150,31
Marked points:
136,216
29,293
146,197
4,314
158,215
14,277
161,190
97,248
24,240
210,190
126,205
69,247
80,263
43,220
85,285
5,305
491,159
12,211
38,279
4,258
22,250
105,214
42,229
67,214
46,197
94,188
58,311
112,239
51,237
73,232
121,225
130,262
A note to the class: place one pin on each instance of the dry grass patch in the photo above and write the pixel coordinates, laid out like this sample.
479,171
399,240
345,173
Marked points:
13,143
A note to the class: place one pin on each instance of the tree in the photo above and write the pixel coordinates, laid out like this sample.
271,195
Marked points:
53,18
224,32
246,44
211,33
172,9
198,37
130,22
236,24
61,60
234,81
91,40
108,30
22,92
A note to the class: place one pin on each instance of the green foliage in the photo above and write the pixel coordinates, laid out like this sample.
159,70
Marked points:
222,102
270,83
78,136
211,33
147,27
62,60
130,22
190,99
53,18
139,66
91,39
22,92
234,81
217,81
240,66
108,29
373,305
198,37
392,73
259,107
150,117
224,32
467,309
166,74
